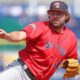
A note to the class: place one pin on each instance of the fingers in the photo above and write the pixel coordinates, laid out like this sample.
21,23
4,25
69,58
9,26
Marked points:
2,33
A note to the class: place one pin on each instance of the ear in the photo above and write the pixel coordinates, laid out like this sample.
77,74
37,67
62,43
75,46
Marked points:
67,17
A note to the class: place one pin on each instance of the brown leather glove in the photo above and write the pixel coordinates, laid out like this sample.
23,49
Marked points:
72,68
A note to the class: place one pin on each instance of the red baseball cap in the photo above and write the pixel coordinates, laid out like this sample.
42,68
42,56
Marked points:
59,6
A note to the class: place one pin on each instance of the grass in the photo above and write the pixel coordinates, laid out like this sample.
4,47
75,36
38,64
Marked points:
5,42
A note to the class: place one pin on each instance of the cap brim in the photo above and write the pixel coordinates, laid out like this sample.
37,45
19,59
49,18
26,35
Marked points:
57,10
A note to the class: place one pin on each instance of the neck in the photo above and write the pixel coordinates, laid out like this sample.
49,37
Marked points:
58,30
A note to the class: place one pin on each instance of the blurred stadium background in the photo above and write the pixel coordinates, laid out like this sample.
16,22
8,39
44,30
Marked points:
16,14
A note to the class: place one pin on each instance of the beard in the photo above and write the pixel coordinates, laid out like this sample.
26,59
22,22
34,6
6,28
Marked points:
57,24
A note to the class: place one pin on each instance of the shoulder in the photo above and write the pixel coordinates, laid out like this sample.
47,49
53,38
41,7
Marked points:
71,34
38,25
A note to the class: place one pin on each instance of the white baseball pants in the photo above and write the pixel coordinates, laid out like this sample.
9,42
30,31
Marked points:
14,71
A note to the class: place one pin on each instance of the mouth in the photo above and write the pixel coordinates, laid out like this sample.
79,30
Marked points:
55,22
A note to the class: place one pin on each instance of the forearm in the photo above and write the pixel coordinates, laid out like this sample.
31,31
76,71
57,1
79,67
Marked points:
13,36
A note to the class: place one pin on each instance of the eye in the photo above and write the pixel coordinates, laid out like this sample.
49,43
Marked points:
57,14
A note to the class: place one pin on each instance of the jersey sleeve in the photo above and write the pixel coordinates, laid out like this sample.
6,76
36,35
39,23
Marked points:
33,31
72,53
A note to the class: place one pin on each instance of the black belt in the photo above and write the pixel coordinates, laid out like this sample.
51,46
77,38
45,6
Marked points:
26,69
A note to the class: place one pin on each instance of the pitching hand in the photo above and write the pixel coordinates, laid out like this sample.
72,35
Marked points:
2,33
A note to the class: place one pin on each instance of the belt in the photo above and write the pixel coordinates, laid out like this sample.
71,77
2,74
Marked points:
26,69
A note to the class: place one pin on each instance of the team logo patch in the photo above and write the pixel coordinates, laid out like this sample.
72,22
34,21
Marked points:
57,4
33,26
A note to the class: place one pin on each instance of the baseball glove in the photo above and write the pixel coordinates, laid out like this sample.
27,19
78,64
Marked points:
72,68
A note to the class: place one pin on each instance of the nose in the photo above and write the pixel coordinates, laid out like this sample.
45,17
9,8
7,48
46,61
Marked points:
55,16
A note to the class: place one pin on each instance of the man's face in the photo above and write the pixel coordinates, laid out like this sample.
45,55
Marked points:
57,18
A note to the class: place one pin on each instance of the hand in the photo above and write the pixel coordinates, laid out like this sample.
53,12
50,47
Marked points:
2,33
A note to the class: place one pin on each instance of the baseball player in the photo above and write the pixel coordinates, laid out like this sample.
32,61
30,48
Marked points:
47,45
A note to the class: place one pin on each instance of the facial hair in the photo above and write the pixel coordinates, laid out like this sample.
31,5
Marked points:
57,25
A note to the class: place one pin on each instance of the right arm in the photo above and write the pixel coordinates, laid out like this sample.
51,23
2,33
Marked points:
14,36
